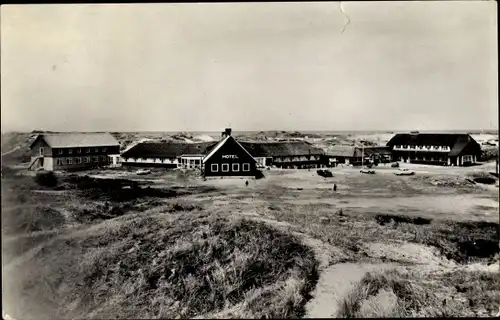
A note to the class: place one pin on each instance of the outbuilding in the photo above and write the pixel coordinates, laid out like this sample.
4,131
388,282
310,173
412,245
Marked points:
73,151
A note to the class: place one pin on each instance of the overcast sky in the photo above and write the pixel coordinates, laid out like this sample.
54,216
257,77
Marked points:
254,66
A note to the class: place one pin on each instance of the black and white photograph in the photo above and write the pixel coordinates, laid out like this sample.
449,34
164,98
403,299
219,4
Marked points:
250,160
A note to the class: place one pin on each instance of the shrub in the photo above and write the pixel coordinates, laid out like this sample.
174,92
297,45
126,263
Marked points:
46,178
489,154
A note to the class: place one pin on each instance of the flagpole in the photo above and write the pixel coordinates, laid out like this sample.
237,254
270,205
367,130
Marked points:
362,154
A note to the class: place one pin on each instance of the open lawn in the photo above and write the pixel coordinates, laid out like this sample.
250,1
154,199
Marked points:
171,245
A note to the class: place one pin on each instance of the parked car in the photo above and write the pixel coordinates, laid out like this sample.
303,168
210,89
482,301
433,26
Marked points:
404,172
143,172
395,165
367,171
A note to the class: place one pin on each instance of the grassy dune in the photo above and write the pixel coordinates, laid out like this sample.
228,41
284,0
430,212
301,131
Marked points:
177,261
182,247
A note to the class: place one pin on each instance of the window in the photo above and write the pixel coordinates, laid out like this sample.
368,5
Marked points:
214,167
41,151
87,150
246,167
225,167
103,149
95,159
96,149
79,150
59,162
78,160
70,151
86,159
236,167
102,158
69,161
60,151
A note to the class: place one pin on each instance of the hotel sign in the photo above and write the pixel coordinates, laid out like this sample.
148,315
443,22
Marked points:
229,156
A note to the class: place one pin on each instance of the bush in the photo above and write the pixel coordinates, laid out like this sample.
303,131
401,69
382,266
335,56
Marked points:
483,177
489,154
46,178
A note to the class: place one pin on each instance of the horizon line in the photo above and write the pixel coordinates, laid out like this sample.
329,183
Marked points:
260,130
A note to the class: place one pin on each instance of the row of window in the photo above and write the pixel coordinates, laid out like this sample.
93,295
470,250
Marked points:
79,160
86,150
422,147
225,167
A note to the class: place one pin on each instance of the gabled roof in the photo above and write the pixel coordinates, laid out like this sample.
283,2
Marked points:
221,143
167,149
432,139
254,149
456,141
460,144
281,149
71,140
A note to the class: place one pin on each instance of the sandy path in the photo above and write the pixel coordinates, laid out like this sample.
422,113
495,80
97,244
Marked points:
336,280
334,284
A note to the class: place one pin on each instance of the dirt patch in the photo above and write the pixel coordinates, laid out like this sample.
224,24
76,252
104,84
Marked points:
463,242
403,253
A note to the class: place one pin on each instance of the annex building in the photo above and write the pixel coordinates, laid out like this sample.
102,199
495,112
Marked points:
451,149
73,151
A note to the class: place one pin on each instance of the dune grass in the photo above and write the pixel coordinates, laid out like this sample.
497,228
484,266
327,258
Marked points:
192,265
450,294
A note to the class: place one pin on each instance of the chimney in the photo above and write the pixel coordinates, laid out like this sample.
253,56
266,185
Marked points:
226,132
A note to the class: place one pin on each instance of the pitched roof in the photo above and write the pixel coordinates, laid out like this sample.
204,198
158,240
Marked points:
461,142
70,140
255,149
340,151
456,141
220,144
432,139
281,149
167,149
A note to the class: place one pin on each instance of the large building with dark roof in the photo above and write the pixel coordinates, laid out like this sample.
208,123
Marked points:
72,151
285,154
435,148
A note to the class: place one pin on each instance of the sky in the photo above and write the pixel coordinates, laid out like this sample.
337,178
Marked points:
251,66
